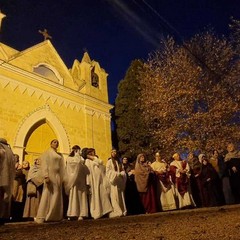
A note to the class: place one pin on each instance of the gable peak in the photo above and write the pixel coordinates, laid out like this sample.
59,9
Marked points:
86,58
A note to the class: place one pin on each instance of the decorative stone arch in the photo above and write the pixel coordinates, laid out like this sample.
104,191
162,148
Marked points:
42,114
50,68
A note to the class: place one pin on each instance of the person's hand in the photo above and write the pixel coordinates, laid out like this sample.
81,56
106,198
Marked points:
162,171
89,190
19,166
90,157
132,171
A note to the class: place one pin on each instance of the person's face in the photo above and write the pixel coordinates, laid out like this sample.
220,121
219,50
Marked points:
25,164
77,152
16,158
16,165
142,159
54,144
91,153
230,147
125,160
114,153
215,153
176,157
190,156
19,166
204,161
37,161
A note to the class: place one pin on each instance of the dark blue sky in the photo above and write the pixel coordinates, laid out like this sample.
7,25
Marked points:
114,32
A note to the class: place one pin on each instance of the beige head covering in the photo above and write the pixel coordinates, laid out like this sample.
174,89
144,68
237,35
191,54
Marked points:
142,171
200,157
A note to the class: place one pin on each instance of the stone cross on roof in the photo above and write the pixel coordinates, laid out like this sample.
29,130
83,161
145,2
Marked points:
45,34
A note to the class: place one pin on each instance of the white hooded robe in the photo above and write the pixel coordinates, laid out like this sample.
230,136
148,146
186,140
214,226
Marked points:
51,203
117,181
76,187
99,196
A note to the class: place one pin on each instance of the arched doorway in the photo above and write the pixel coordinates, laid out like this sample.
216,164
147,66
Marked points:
45,126
38,140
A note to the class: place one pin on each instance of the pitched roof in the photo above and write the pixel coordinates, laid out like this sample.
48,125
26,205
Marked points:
7,52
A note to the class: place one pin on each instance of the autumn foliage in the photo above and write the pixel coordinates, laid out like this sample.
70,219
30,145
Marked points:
189,94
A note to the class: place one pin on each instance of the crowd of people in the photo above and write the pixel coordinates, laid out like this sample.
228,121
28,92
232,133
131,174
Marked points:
81,186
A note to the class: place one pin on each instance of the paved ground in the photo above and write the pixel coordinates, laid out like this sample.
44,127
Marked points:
195,224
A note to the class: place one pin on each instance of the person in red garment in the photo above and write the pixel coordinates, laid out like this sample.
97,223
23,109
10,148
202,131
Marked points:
180,174
165,188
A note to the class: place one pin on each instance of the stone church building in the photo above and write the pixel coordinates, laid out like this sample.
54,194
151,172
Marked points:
41,99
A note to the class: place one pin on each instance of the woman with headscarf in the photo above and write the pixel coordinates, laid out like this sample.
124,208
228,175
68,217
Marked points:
34,190
51,203
195,181
75,185
180,174
146,182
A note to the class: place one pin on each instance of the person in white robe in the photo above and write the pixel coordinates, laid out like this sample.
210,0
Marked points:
51,203
7,175
180,174
99,198
75,185
34,190
165,191
117,178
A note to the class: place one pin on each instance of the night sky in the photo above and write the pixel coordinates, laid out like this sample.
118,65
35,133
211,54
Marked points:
114,32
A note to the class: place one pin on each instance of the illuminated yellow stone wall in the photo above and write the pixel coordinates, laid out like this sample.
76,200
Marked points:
38,141
35,109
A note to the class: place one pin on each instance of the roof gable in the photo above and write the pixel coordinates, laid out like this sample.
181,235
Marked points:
44,56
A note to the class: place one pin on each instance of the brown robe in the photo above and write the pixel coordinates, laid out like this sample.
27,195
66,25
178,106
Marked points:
146,181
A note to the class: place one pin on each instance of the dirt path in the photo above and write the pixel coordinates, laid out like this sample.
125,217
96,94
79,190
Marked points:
196,224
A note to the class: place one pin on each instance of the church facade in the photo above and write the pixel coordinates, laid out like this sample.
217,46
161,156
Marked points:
41,99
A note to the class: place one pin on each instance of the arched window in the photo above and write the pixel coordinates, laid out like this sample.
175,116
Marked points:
94,79
48,72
